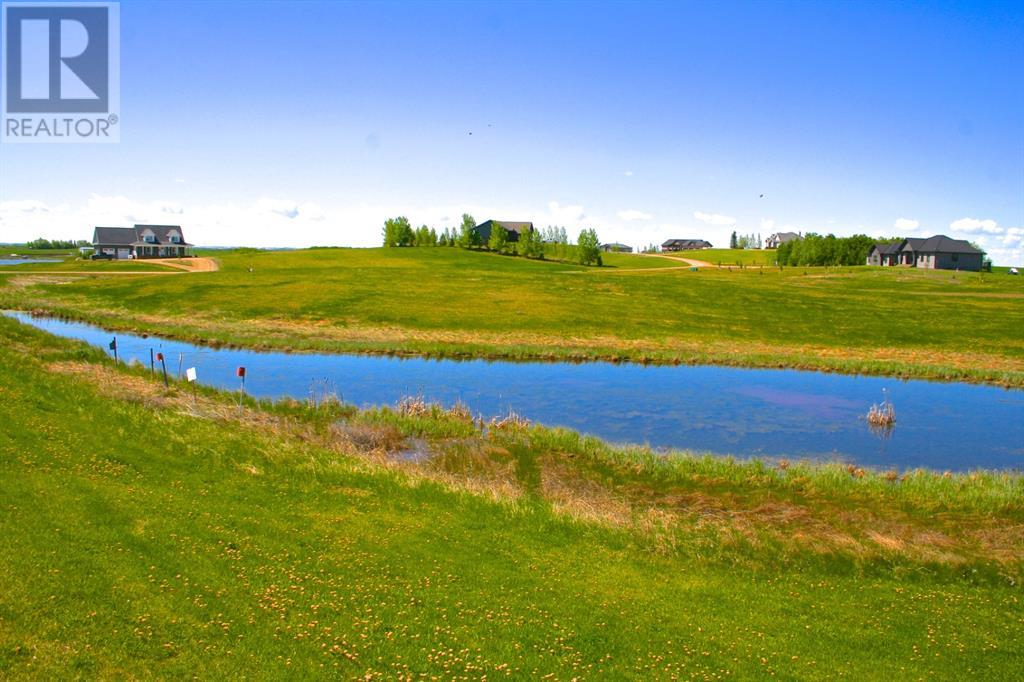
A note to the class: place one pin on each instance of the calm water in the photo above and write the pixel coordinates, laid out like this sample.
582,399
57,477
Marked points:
19,261
744,412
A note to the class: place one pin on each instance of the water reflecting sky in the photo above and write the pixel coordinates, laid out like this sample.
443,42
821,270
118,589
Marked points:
743,412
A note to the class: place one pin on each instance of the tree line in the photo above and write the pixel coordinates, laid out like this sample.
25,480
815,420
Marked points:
744,241
815,249
535,244
44,244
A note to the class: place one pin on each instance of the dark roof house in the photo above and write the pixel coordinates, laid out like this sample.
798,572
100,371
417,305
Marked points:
885,253
140,241
513,227
935,253
685,244
617,247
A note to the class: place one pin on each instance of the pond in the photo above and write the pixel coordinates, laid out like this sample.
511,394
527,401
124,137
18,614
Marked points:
722,410
21,261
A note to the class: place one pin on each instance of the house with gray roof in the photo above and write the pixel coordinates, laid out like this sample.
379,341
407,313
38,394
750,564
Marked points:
934,253
885,253
140,241
776,240
615,247
514,228
685,244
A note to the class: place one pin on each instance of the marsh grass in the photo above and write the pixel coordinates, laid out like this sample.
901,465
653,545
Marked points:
882,415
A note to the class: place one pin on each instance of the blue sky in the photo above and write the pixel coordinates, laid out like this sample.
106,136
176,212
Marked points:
310,123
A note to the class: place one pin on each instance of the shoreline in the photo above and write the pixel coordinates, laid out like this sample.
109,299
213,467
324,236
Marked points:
403,344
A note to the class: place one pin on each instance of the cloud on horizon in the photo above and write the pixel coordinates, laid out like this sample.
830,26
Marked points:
974,226
714,218
631,215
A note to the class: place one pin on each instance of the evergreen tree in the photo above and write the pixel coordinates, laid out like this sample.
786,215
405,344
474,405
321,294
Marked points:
732,240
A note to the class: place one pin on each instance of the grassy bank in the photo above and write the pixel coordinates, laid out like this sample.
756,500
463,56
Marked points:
147,533
448,302
725,257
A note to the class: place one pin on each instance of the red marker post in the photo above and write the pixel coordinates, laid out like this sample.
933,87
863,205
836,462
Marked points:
163,365
240,373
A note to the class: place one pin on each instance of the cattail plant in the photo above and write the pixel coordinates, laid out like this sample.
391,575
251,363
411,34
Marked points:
882,414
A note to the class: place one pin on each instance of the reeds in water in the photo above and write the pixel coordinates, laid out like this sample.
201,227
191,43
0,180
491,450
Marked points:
882,414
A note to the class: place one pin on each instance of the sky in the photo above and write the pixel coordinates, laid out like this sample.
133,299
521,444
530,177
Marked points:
308,123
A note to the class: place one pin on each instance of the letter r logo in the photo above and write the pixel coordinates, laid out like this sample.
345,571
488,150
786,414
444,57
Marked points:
56,58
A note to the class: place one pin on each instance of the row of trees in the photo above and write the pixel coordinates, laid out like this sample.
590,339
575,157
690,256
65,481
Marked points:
535,244
815,249
745,241
56,243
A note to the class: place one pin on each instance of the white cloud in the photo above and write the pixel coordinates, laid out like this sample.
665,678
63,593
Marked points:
24,206
629,174
906,224
1004,245
767,224
974,226
632,214
714,218
283,207
570,214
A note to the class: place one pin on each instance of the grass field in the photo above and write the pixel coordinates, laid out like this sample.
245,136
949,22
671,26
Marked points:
725,257
444,301
149,534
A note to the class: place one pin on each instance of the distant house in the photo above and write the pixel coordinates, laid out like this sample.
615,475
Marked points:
617,248
514,229
685,245
934,253
140,241
776,240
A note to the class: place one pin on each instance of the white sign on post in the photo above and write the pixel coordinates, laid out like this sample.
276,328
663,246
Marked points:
190,373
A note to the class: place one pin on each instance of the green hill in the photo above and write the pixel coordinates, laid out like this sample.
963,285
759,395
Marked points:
147,533
446,301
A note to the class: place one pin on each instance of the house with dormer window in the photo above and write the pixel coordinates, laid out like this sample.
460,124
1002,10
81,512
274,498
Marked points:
140,241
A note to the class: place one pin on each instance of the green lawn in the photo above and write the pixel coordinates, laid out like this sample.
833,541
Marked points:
447,301
725,257
147,534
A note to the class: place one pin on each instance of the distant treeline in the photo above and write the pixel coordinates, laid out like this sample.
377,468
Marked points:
815,249
56,243
534,244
